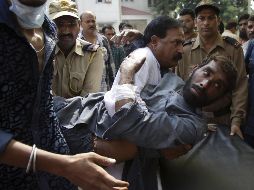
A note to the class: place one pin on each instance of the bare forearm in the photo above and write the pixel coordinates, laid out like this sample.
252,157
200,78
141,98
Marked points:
81,169
118,149
128,69
121,103
126,78
17,154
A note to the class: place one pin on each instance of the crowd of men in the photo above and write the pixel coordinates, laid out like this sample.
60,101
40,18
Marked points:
71,93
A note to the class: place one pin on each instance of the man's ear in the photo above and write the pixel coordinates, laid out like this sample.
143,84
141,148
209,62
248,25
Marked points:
154,41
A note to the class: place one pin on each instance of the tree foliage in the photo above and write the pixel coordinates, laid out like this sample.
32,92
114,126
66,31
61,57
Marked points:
230,9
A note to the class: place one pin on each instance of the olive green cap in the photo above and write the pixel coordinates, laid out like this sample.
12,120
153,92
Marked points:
205,4
58,8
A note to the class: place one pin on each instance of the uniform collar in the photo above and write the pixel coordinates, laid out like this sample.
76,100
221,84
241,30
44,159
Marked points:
218,42
77,49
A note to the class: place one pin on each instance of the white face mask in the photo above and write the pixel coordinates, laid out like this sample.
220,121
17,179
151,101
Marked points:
28,17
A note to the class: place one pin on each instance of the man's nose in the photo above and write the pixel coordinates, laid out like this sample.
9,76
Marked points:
65,30
180,49
206,21
204,83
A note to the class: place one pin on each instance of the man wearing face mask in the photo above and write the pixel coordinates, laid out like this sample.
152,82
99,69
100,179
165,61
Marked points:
28,123
78,64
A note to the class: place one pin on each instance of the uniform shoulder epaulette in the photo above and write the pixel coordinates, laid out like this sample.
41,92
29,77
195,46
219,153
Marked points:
87,46
189,41
231,41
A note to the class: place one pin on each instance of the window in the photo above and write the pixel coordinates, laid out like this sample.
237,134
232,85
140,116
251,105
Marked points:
152,3
104,1
149,3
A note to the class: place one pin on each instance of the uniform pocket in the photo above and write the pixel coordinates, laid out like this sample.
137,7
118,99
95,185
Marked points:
76,82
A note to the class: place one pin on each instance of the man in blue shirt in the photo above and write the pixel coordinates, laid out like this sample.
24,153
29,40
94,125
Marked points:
249,125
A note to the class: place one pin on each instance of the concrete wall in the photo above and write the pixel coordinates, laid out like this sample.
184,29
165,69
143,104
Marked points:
106,13
137,21
141,5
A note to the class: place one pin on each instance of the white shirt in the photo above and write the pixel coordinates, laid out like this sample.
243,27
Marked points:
230,34
245,47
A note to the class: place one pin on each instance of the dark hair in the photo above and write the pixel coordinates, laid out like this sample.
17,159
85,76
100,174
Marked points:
187,12
109,27
159,27
120,27
212,6
251,18
221,27
231,24
123,24
226,66
243,17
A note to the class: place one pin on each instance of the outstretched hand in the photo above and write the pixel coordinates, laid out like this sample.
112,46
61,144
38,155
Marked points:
85,170
126,37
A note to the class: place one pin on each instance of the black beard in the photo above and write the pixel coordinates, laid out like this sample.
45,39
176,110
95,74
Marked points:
243,35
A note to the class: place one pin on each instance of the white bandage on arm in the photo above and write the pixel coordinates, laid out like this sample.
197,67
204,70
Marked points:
124,91
118,92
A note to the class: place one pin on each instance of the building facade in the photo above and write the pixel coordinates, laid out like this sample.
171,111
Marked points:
135,12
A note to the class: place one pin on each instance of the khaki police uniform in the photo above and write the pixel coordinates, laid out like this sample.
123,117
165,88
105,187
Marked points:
221,111
80,72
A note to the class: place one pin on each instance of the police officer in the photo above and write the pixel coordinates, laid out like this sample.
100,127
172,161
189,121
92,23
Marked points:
78,64
231,110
